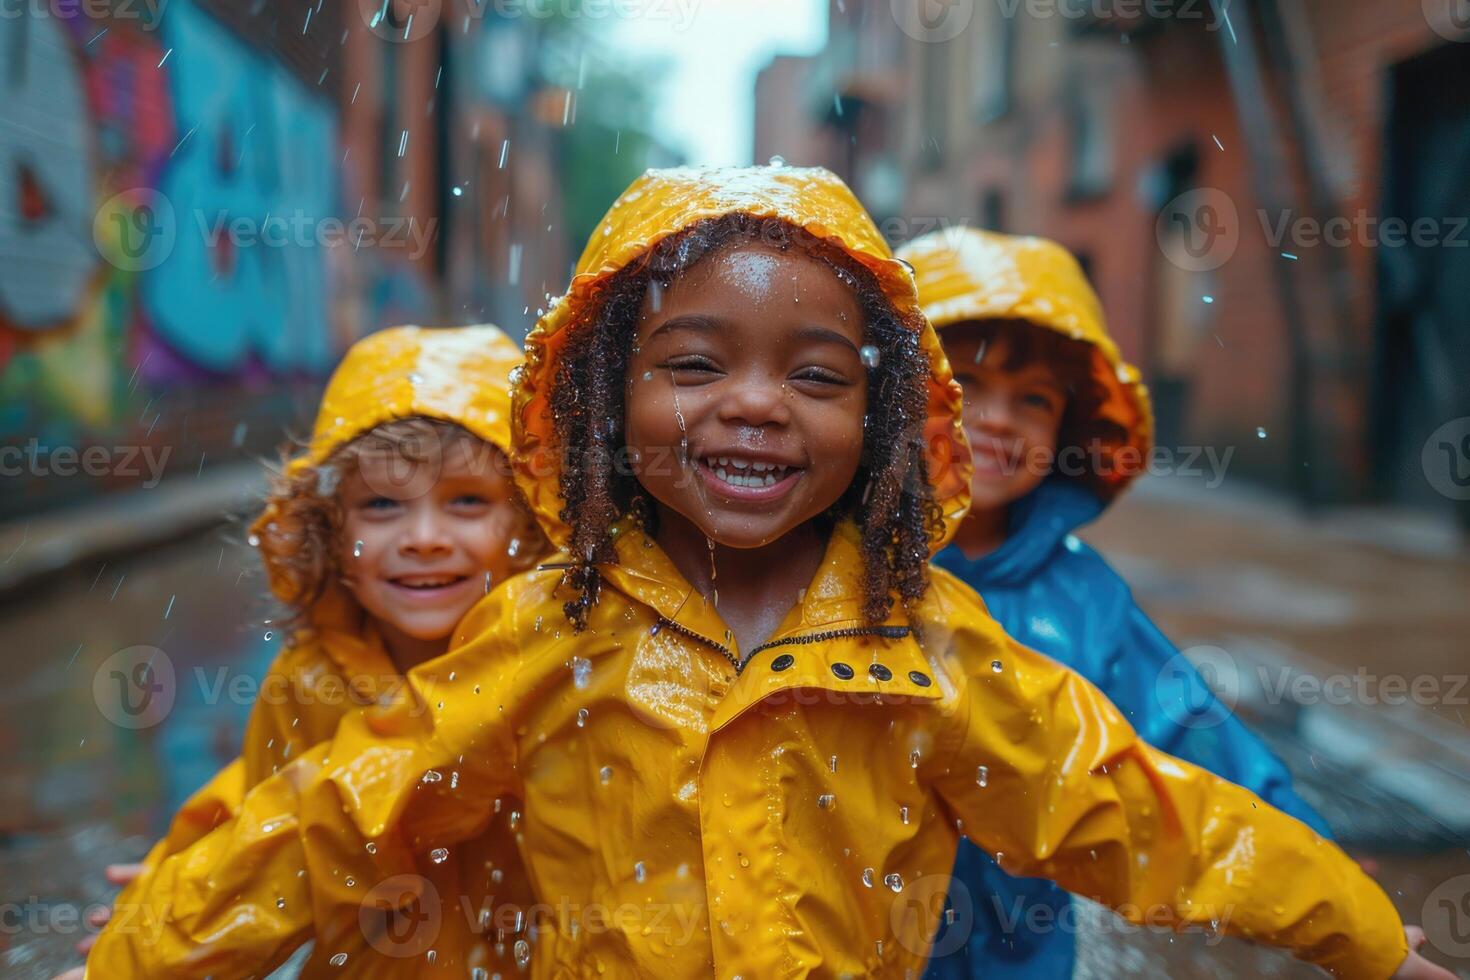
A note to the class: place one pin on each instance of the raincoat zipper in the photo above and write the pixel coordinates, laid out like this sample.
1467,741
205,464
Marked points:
887,632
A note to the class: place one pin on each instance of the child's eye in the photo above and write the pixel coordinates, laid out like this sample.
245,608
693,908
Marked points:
821,375
380,503
1039,400
691,368
469,500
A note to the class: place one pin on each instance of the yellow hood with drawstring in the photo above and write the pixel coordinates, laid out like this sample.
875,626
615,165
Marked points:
965,274
695,810
335,665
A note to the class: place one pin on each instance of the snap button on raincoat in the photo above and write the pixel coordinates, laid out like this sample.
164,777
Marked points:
695,810
165,923
1056,595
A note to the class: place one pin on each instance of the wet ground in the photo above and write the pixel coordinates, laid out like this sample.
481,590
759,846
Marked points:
89,778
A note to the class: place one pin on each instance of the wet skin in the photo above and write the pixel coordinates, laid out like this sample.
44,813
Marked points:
757,352
415,553
1012,419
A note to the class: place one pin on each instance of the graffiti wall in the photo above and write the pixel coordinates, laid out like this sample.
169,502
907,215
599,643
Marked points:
163,188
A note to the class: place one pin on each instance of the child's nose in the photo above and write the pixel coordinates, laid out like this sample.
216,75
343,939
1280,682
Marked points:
756,401
425,535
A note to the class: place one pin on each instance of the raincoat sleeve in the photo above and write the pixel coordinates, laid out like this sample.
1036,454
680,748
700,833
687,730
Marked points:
301,702
421,774
1048,777
232,904
1175,711
214,803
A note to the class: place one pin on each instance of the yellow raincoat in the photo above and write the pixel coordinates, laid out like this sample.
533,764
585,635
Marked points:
695,810
336,665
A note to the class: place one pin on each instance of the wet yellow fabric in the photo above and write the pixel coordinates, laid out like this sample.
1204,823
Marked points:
458,375
965,274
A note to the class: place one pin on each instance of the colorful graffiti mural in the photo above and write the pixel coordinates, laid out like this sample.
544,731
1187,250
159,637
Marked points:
130,158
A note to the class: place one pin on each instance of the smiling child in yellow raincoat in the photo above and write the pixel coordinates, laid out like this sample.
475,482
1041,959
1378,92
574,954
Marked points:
747,723
378,538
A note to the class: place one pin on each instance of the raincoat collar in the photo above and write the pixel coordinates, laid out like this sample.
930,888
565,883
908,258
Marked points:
1038,524
822,643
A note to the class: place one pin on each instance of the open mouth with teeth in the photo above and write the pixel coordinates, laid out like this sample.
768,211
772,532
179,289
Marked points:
427,583
747,474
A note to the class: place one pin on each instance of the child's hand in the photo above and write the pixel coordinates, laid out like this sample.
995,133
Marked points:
1416,967
117,874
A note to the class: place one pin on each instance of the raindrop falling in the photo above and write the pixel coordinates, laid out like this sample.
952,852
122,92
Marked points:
868,877
253,541
914,759
357,550
432,776
439,855
894,882
338,959
523,953
372,848
581,672
605,774
1260,432
832,764
581,717
903,814
827,801
870,356
639,872
280,903
982,776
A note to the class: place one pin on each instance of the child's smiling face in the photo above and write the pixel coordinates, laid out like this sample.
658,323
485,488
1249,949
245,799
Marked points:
752,359
1012,416
416,552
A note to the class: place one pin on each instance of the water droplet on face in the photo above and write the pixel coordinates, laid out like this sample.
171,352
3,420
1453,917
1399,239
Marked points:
605,774
870,356
439,855
868,877
894,882
827,801
982,776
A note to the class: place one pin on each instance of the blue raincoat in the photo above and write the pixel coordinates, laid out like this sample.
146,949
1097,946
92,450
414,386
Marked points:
1058,596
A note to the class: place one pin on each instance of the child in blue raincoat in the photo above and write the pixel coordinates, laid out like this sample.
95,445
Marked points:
1058,425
